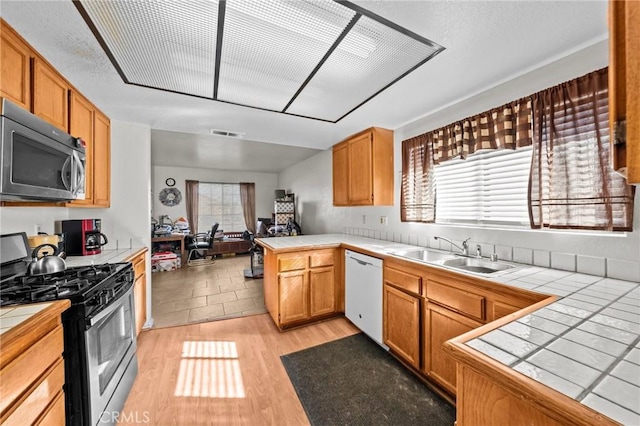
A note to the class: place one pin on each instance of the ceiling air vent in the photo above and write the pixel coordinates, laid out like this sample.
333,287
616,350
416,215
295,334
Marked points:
227,133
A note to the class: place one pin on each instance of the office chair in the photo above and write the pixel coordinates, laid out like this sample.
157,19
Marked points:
201,242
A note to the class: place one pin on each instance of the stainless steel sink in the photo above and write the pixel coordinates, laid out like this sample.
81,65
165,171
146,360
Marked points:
424,255
482,266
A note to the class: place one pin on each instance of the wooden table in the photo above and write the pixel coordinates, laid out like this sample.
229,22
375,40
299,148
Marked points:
169,238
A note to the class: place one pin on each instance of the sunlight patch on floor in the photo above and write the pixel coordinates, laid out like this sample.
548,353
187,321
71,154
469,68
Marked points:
210,369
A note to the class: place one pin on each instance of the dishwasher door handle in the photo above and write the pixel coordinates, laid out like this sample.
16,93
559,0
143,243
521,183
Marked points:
362,262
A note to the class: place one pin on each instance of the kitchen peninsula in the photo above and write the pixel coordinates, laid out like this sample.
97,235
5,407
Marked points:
499,327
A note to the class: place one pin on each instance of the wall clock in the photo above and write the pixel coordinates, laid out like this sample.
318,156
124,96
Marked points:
170,196
170,182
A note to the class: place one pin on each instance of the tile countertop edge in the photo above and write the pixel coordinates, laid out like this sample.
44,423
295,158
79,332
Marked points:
12,338
107,256
558,284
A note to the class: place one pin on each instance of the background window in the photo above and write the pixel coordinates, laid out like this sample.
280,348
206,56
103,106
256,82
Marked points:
220,202
489,188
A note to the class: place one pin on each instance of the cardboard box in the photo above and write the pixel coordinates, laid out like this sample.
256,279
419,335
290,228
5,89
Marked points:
164,261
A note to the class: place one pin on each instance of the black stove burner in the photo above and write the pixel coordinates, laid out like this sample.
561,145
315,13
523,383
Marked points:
77,284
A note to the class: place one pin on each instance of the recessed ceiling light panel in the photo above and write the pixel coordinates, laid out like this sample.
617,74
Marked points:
269,48
160,44
319,59
370,57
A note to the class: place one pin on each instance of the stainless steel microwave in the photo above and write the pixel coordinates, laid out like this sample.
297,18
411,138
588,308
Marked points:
38,162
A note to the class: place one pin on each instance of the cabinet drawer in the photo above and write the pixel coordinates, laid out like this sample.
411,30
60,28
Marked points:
292,263
139,266
55,414
403,280
460,300
321,258
39,398
22,372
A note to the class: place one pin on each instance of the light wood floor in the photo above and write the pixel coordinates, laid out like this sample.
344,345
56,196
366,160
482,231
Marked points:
200,293
248,386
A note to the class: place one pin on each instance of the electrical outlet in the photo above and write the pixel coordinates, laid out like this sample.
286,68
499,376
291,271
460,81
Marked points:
38,228
364,219
383,220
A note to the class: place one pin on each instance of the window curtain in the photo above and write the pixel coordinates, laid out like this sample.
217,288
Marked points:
505,127
248,199
418,197
191,199
572,183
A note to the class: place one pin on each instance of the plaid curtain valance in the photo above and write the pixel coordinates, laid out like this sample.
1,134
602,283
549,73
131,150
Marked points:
505,127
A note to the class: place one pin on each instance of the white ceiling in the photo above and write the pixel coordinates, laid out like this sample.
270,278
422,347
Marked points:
486,43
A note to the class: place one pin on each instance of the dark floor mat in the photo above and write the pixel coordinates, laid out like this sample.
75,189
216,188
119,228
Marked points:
353,381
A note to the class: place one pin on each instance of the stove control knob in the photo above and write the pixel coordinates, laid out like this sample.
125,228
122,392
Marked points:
104,297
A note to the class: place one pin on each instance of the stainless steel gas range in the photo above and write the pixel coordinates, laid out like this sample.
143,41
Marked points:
99,328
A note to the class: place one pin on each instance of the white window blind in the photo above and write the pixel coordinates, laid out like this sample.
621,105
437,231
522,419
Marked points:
489,188
220,202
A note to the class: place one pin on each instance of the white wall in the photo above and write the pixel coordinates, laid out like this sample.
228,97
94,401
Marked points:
266,184
311,181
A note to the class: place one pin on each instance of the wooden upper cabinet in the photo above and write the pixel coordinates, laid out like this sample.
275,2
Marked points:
81,126
624,87
102,161
340,175
15,75
93,127
50,95
363,169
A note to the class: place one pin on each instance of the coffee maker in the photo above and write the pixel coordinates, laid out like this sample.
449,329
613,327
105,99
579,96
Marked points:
84,236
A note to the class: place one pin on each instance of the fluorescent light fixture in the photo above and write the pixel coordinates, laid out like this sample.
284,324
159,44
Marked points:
317,59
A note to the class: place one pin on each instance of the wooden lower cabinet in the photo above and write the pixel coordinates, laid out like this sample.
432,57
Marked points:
32,369
483,402
401,324
139,262
440,325
294,297
322,292
301,287
424,307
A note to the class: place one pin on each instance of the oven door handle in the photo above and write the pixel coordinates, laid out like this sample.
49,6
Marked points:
113,305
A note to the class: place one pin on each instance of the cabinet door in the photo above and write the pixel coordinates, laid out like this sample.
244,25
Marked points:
15,74
50,95
360,171
294,296
102,161
140,299
340,175
624,82
81,120
402,324
441,325
322,291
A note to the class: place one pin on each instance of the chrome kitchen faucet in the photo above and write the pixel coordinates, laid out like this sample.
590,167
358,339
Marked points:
465,244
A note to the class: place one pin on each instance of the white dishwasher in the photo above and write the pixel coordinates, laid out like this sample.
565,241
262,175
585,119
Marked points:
363,293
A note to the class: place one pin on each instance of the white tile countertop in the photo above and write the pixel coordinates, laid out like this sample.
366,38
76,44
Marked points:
585,345
11,316
107,256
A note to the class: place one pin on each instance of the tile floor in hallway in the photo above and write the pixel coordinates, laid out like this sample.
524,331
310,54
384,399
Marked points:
201,293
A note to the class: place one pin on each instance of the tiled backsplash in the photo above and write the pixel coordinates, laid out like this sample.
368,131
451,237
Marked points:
592,265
